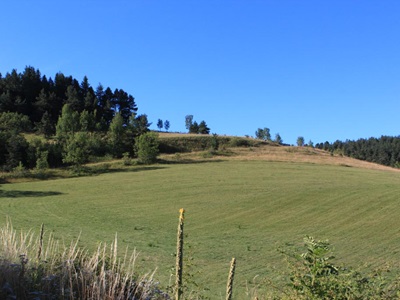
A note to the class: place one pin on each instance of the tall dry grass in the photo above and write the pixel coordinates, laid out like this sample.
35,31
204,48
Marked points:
31,268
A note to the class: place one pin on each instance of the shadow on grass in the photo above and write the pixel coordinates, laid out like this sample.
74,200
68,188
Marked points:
104,170
83,171
21,194
161,164
188,161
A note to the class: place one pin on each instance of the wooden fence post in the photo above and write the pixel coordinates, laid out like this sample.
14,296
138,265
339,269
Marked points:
179,257
229,285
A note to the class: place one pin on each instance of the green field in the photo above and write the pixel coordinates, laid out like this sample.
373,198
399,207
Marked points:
242,209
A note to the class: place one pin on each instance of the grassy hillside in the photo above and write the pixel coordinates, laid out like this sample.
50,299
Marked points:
243,205
177,142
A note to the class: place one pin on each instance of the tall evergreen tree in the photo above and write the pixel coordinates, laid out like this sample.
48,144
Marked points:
84,86
194,128
7,102
46,125
31,85
139,125
10,100
72,99
105,108
124,104
203,128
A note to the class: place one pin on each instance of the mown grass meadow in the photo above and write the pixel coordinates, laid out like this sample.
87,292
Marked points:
241,209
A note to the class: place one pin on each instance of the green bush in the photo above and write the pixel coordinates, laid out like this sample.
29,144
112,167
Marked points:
239,142
147,148
41,162
126,159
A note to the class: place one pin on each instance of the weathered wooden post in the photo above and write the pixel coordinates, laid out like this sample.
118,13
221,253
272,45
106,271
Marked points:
40,243
229,285
179,257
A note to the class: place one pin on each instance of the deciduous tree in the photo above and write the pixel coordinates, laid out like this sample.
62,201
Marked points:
300,141
117,135
159,124
263,134
166,125
68,123
76,150
188,122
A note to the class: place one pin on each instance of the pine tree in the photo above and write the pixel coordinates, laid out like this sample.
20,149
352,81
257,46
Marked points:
46,125
203,128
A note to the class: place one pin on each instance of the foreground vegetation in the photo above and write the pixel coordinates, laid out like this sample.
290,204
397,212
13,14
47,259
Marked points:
31,268
36,269
236,208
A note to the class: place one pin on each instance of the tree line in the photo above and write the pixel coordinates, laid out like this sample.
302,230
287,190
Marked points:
41,98
384,150
81,122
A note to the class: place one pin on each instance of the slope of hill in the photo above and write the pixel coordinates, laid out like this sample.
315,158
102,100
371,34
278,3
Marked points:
243,202
259,150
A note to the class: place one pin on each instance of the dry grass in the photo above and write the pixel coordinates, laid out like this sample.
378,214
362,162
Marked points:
176,134
283,154
29,272
306,155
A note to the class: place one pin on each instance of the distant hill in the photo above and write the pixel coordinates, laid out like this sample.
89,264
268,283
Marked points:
242,148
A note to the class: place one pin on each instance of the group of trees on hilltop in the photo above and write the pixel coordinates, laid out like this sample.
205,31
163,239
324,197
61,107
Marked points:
265,134
42,99
81,121
161,124
384,150
194,127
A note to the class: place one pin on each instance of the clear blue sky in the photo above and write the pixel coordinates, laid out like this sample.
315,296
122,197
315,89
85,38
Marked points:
324,70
